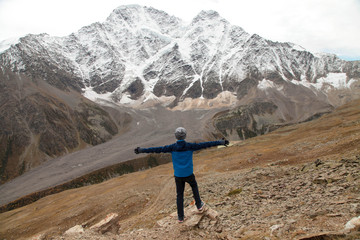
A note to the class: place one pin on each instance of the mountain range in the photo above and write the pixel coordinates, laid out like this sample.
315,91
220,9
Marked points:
62,94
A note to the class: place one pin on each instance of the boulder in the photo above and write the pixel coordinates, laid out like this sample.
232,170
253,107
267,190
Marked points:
353,225
192,217
75,230
108,224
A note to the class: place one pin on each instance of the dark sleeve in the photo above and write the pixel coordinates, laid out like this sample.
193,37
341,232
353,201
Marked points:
163,149
198,146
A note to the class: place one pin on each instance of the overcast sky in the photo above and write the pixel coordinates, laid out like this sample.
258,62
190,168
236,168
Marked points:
331,26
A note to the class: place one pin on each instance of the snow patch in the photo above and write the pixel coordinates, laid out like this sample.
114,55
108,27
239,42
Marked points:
94,96
303,82
7,43
148,99
337,80
298,48
125,99
332,80
184,49
267,84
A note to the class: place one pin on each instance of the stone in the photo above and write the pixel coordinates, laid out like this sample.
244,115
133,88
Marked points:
353,225
212,214
108,224
75,230
318,162
193,220
192,217
275,228
320,180
39,236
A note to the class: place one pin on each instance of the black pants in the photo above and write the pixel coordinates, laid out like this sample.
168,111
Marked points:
180,187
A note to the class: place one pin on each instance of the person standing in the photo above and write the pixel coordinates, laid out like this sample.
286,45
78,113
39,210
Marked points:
182,159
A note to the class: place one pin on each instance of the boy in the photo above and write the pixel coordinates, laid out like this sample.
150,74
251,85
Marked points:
182,158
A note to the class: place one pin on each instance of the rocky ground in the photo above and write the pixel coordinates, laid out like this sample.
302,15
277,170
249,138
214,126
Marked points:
298,182
274,202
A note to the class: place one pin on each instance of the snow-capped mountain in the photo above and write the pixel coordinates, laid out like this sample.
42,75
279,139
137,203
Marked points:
140,54
142,57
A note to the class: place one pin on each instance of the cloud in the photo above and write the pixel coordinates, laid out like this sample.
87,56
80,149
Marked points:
317,25
59,17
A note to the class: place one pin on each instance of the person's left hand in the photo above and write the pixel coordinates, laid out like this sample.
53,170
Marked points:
137,150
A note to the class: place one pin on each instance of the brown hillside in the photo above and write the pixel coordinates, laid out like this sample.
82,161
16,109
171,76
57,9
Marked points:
267,186
40,122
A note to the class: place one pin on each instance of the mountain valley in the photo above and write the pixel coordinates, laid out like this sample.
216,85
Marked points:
73,108
140,58
300,180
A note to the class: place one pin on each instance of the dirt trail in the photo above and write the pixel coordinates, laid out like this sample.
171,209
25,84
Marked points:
164,198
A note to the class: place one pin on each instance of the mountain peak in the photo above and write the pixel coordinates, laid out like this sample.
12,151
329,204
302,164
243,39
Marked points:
207,15
140,17
125,13
129,7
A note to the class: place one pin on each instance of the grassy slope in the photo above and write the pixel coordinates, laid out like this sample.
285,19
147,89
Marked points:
139,198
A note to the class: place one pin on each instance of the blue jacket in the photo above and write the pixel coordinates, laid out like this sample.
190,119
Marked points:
182,154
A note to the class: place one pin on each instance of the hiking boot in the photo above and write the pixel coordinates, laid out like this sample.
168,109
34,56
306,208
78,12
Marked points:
201,209
181,220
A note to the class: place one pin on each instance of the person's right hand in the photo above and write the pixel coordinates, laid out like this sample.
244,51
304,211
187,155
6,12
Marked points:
226,142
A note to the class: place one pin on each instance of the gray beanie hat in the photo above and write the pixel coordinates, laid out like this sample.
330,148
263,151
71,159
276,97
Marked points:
180,133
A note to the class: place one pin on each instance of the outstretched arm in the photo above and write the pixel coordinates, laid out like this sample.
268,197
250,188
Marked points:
198,146
163,149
